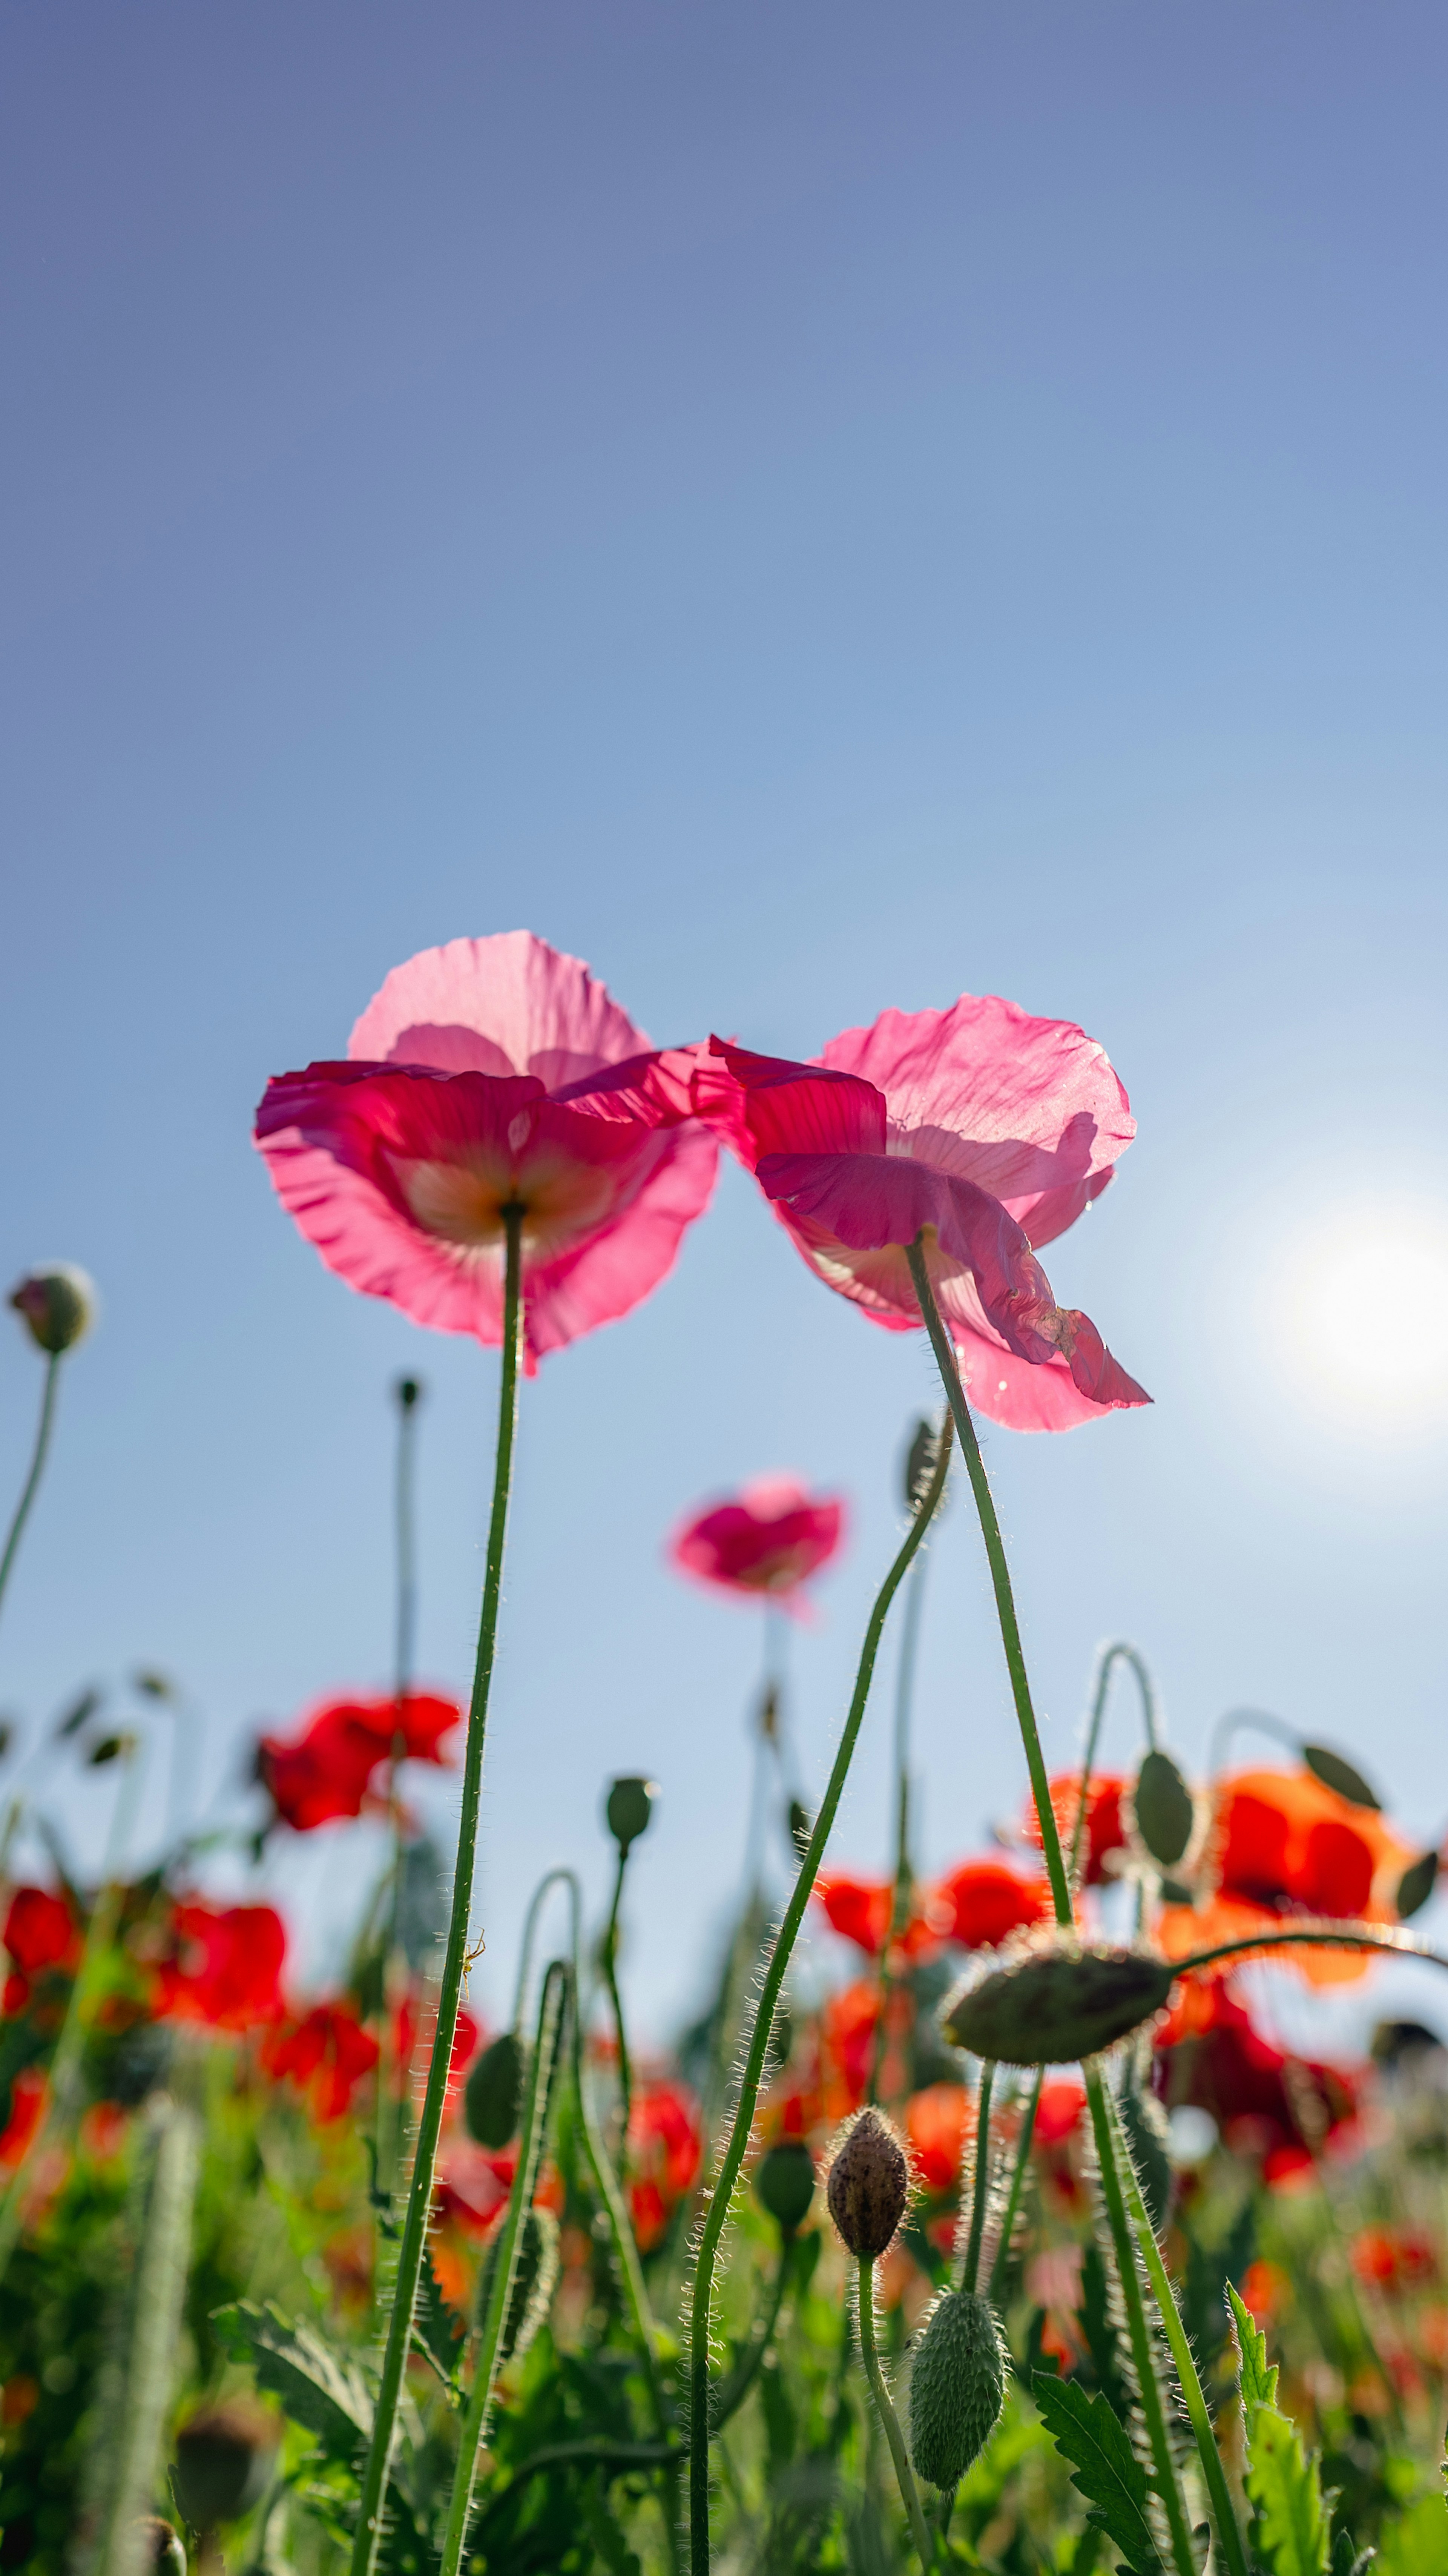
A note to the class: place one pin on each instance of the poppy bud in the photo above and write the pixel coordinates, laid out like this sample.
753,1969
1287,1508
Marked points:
630,1804
1055,2008
493,2097
1147,2135
222,2464
957,2387
56,1304
784,2182
110,1749
161,2546
534,2276
869,2184
1416,1886
1164,1809
920,1463
407,1391
1335,1773
800,1827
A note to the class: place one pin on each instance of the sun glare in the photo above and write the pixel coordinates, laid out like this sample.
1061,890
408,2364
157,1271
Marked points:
1359,1314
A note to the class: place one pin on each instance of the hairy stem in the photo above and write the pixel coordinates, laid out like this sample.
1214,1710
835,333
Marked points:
890,2421
733,2158
1121,1651
1165,2481
980,2192
419,2205
610,1970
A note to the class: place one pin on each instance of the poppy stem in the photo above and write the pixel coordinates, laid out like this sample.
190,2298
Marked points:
1000,1576
1120,1651
389,2118
1316,1939
904,1889
1223,2513
890,2421
37,1466
419,2204
553,2003
1018,2184
980,2190
610,1970
723,2188
1166,2483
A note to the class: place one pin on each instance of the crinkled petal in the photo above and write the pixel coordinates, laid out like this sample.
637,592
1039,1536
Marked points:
508,1004
1030,1110
764,1104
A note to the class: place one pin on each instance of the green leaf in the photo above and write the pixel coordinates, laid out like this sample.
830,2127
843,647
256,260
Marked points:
1290,2532
313,2387
1258,2382
1415,2543
1335,1773
1104,2467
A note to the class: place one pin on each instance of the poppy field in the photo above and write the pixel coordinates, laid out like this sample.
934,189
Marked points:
1018,2244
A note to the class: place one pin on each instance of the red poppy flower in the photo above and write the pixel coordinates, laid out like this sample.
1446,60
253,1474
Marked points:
1285,1838
408,2023
226,1966
860,1910
1259,2100
1059,2111
983,1900
770,1538
665,2147
326,2054
938,2121
986,1128
327,1770
487,1074
1104,1831
40,1931
473,2184
28,2096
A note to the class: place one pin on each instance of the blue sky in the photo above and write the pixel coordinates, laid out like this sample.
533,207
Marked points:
811,509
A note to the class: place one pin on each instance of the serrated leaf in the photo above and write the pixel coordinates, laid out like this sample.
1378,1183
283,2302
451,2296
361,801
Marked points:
1104,2467
1290,2532
1415,2543
435,2325
1258,2381
316,2390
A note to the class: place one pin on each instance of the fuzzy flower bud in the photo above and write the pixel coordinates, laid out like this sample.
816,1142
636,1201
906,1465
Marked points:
869,2184
56,1305
784,2183
493,2099
223,2462
160,2546
1057,2006
630,1804
957,2387
535,2275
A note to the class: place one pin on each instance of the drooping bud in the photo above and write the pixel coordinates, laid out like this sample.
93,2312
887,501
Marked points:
869,2184
1145,2126
223,2462
1163,1808
56,1304
493,2096
110,1749
1416,1886
629,1807
535,2277
784,2183
957,2387
800,1827
1336,1773
160,2546
921,1460
1055,2008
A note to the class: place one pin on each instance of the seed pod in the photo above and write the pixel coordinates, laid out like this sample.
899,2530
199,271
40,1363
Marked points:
56,1305
1335,1773
1416,1886
493,2097
222,2464
869,2184
957,2387
535,2276
1054,2008
161,2546
1164,1807
784,2183
630,1804
1147,2135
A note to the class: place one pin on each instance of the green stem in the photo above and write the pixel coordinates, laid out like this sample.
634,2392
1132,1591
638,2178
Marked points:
1228,2534
550,1878
728,2174
1120,1651
419,2205
1393,1944
610,1970
37,1467
981,2190
904,1890
551,2005
390,2112
1018,2184
1000,1576
890,2421
1166,2482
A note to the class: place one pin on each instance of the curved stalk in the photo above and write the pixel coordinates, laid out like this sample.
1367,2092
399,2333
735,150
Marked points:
550,1878
552,2004
1319,1937
890,2421
749,2082
1223,2512
419,2204
1018,2184
36,1469
1148,2388
1000,1575
610,1970
980,2193
1120,1650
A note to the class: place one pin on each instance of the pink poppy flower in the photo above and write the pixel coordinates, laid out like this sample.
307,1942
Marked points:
768,1539
489,1073
986,1128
